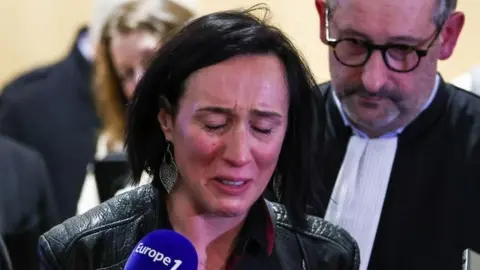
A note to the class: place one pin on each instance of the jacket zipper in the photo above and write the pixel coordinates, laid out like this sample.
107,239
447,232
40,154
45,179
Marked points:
304,266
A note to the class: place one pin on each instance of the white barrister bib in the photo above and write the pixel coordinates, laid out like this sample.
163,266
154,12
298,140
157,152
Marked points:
357,198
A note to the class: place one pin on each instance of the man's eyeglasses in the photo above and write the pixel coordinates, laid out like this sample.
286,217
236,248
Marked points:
353,52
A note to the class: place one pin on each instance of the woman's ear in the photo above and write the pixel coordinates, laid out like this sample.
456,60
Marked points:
165,118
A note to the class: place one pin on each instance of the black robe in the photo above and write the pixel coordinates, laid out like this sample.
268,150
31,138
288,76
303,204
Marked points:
431,211
51,109
27,204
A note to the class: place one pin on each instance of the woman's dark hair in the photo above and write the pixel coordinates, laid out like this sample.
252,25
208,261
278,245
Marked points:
207,41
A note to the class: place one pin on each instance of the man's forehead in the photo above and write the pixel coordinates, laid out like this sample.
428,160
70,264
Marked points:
385,17
386,4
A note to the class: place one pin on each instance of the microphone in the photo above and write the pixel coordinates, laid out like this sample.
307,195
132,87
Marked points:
163,250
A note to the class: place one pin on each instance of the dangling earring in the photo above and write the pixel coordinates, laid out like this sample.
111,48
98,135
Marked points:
168,170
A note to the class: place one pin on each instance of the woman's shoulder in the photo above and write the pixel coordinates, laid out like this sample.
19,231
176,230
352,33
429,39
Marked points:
320,237
103,236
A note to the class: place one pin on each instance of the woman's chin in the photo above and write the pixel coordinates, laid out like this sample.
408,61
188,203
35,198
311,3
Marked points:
230,208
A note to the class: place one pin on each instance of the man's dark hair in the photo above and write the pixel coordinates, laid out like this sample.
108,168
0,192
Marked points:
207,41
440,15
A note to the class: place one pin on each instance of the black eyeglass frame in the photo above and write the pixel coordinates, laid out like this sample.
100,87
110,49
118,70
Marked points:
382,48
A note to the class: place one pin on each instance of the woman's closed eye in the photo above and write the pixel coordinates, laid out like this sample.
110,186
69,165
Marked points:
265,125
262,130
212,127
212,121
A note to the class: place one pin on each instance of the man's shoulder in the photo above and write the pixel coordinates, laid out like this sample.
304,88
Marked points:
22,169
323,88
319,233
464,98
18,153
21,164
26,81
463,111
25,98
110,228
34,85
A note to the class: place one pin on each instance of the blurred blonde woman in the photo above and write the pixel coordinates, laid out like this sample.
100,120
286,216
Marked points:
128,39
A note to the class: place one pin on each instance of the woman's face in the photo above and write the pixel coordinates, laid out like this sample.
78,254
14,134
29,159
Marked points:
130,55
228,133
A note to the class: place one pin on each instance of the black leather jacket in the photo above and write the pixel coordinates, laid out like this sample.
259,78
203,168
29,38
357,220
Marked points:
104,237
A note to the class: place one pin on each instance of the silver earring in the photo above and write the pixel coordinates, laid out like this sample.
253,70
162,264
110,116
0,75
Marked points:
168,170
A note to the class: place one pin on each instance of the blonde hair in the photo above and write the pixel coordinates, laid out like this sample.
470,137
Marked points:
100,13
157,17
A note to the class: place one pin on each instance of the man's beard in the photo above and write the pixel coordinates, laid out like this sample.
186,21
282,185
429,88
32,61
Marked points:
393,94
389,114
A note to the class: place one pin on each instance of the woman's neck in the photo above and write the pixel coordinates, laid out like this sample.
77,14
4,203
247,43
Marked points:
212,236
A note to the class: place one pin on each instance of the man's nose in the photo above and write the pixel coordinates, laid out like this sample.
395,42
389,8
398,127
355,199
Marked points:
374,73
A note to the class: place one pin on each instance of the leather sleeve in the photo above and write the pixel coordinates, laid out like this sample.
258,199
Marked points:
48,261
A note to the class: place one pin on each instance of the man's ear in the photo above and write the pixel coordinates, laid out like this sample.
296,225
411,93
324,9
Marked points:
322,9
165,119
450,34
